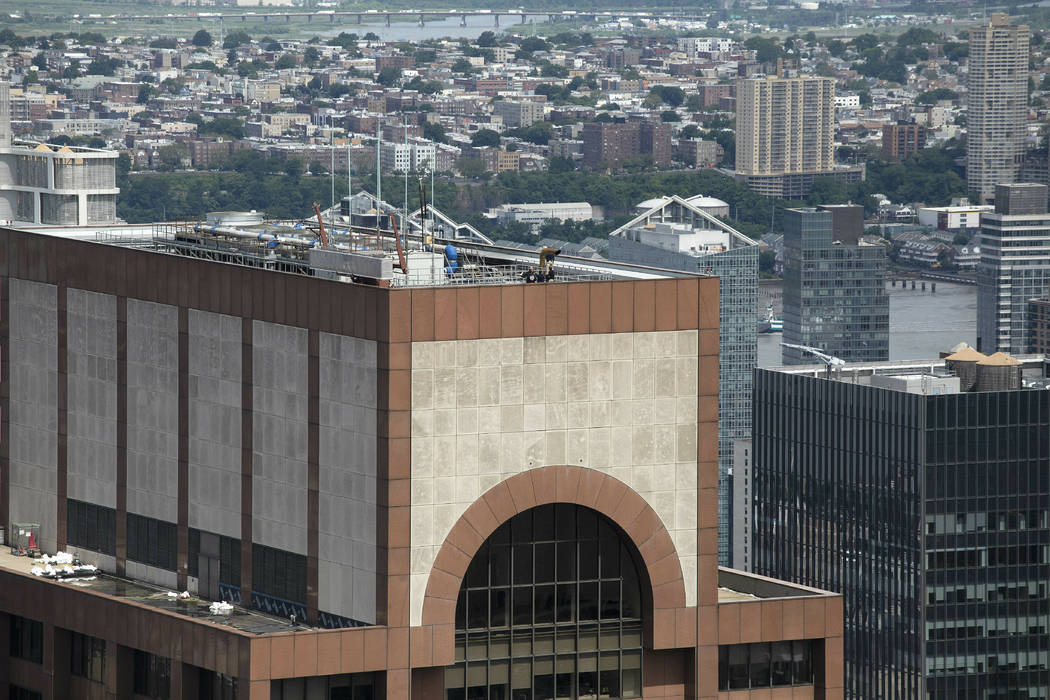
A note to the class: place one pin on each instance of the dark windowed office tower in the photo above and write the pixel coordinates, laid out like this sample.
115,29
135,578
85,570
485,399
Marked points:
834,291
1014,267
435,483
919,491
685,234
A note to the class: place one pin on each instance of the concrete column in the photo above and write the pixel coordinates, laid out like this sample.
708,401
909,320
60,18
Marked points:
61,655
112,678
5,651
190,677
123,669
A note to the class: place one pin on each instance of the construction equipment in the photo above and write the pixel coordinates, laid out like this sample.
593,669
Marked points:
547,256
397,241
829,361
320,226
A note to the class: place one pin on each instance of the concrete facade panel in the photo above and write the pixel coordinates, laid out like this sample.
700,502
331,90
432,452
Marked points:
33,319
214,423
91,332
610,402
279,436
347,477
153,410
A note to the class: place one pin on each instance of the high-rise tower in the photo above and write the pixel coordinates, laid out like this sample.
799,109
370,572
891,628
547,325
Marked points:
996,104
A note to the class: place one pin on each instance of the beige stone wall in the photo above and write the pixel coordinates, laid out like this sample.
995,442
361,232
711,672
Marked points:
484,410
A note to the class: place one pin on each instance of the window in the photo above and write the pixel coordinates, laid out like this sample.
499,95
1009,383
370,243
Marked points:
355,686
91,527
20,693
152,542
216,686
27,639
765,665
87,657
550,607
278,573
152,675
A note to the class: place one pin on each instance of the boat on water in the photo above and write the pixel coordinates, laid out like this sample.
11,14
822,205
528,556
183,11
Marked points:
771,323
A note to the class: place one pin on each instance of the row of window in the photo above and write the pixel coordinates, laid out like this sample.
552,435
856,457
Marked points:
27,639
278,573
152,542
991,556
87,659
765,665
91,526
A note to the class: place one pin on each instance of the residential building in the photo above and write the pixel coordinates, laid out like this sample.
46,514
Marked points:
705,44
711,93
431,485
903,139
997,104
785,130
679,234
518,114
701,153
1014,266
834,293
612,145
406,157
654,141
962,219
919,490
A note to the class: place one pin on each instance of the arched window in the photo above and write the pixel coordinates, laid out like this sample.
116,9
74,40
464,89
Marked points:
550,607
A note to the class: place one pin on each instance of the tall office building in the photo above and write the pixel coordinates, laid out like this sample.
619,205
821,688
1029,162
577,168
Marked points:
439,482
1014,267
834,293
682,234
785,130
920,491
996,104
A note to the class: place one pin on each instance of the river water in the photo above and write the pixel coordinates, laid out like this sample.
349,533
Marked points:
922,323
433,28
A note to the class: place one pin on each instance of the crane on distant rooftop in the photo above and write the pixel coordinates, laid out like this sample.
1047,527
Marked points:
828,360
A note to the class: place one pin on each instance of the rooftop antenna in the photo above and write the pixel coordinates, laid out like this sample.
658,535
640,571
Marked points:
829,361
408,153
379,171
331,139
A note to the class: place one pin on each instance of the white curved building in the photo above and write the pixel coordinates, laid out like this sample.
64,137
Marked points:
58,185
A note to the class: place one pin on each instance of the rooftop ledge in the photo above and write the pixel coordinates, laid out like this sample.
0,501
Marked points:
239,619
740,586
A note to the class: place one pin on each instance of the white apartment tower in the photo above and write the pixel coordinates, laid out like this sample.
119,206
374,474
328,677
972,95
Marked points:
997,104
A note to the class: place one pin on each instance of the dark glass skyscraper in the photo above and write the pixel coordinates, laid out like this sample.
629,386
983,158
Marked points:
678,234
834,293
926,506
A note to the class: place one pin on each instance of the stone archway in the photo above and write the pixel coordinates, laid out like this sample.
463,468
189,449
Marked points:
555,484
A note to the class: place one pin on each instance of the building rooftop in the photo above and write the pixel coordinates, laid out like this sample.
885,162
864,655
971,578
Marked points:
741,586
144,594
361,248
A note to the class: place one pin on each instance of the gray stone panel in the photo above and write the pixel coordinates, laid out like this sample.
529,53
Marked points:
347,471
280,364
91,341
215,423
33,315
153,410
